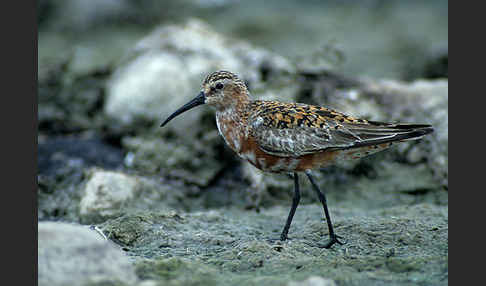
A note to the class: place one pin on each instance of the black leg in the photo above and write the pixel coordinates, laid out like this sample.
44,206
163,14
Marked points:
295,203
333,237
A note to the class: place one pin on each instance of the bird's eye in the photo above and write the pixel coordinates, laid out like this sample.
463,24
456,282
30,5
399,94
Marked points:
219,85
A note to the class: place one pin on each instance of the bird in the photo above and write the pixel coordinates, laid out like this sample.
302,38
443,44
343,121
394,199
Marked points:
293,138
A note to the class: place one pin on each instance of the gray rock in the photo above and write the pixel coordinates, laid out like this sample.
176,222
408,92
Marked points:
70,254
105,192
108,194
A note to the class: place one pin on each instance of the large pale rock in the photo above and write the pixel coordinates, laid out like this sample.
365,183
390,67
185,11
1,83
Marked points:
70,254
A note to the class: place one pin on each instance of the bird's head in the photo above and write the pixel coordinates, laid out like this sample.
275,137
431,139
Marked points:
221,90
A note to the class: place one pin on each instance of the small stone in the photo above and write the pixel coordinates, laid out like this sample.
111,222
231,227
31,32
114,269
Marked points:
105,193
313,281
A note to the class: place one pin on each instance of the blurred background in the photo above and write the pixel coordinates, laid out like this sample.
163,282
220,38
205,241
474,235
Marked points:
377,38
110,71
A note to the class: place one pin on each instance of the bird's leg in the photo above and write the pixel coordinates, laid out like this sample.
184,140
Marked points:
295,203
333,237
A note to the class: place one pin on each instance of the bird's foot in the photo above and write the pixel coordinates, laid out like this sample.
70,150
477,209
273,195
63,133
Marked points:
334,238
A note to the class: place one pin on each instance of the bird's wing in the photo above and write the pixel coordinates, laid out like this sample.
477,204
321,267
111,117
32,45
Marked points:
292,129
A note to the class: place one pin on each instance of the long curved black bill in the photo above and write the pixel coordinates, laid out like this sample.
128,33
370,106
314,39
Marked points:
198,100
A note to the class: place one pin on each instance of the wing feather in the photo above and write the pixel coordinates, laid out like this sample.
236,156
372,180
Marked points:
293,130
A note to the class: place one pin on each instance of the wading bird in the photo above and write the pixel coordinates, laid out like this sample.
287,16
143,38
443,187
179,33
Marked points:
293,137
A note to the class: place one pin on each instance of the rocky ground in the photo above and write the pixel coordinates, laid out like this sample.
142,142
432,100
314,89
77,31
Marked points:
122,201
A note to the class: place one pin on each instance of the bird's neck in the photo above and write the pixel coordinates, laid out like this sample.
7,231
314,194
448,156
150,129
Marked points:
234,108
232,124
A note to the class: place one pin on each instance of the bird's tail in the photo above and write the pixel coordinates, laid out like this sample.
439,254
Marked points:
375,133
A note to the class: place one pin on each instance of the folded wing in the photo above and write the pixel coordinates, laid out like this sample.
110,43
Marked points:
293,130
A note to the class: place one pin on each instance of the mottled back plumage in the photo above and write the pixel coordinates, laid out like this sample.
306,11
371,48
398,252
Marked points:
295,129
